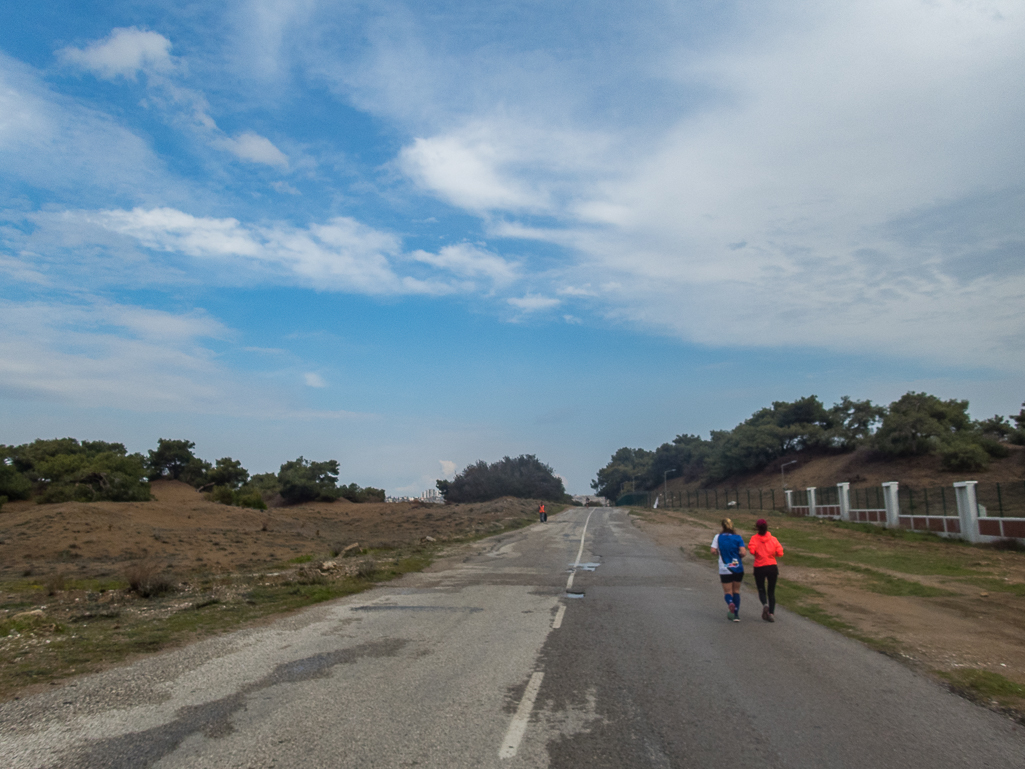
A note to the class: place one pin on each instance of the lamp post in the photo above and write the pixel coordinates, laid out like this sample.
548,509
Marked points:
665,483
782,474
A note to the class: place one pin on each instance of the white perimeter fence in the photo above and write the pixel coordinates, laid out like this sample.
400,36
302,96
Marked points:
970,521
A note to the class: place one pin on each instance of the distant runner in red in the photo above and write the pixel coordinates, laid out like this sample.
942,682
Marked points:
765,548
542,514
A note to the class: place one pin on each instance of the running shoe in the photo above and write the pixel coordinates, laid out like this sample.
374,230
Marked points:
772,618
765,613
731,613
736,617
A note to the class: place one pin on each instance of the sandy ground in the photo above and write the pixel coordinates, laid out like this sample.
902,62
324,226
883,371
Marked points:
185,533
975,628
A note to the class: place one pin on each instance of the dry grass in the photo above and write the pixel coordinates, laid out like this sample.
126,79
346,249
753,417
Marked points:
147,580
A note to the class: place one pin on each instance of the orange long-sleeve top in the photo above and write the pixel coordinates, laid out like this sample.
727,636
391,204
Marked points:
765,548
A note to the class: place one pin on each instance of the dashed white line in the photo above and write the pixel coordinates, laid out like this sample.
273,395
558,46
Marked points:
557,622
511,743
580,552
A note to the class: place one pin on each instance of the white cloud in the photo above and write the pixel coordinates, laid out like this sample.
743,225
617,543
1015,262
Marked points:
469,261
492,164
448,468
799,195
313,379
255,148
100,354
55,143
340,254
125,52
533,303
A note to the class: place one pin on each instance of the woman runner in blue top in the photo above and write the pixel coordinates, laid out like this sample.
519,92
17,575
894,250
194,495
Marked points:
730,548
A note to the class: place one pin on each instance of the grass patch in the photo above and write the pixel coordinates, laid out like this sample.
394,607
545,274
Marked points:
703,552
300,559
995,585
983,684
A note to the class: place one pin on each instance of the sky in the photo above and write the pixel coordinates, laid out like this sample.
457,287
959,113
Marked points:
409,236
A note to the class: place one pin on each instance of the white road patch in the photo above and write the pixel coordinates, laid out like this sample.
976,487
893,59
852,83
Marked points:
557,623
514,735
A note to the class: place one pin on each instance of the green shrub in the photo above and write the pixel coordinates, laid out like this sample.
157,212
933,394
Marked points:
996,449
13,484
964,456
250,499
222,495
525,477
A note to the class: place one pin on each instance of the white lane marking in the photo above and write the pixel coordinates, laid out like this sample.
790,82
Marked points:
557,623
580,552
511,743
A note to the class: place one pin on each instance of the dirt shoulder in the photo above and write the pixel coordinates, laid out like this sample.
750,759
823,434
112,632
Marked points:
946,607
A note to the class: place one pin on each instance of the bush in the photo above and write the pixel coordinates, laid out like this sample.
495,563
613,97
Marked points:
14,485
147,581
964,456
222,495
251,499
525,477
996,449
305,481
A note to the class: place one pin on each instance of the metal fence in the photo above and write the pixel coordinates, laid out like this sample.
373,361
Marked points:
938,501
722,499
996,500
867,498
1001,500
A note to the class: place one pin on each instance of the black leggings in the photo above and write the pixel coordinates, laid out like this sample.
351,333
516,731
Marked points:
772,574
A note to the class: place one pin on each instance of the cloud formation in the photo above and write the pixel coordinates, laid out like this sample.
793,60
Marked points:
254,148
801,196
125,52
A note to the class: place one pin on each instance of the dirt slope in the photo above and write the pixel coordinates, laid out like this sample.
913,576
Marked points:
862,468
185,533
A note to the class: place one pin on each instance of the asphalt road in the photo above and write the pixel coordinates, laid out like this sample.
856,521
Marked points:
545,647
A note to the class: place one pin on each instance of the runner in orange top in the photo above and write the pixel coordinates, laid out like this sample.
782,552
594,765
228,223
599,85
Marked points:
765,548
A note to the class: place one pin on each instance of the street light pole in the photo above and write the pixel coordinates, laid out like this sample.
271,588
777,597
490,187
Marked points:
782,474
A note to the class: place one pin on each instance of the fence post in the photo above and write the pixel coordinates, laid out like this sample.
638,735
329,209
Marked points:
811,501
843,493
790,499
967,510
892,504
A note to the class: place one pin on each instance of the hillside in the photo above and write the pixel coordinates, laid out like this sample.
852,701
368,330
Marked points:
863,467
184,532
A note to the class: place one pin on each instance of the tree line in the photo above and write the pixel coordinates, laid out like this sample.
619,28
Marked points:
914,425
66,469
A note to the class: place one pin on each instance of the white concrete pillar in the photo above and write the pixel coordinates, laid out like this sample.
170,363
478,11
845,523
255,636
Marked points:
892,503
843,493
967,510
811,501
790,499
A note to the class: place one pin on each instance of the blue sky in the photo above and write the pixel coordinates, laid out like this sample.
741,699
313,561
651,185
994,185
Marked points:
411,236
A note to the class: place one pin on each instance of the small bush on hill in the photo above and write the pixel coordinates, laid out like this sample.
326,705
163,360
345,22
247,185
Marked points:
964,456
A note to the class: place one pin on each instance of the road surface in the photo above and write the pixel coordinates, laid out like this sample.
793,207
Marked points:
576,643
